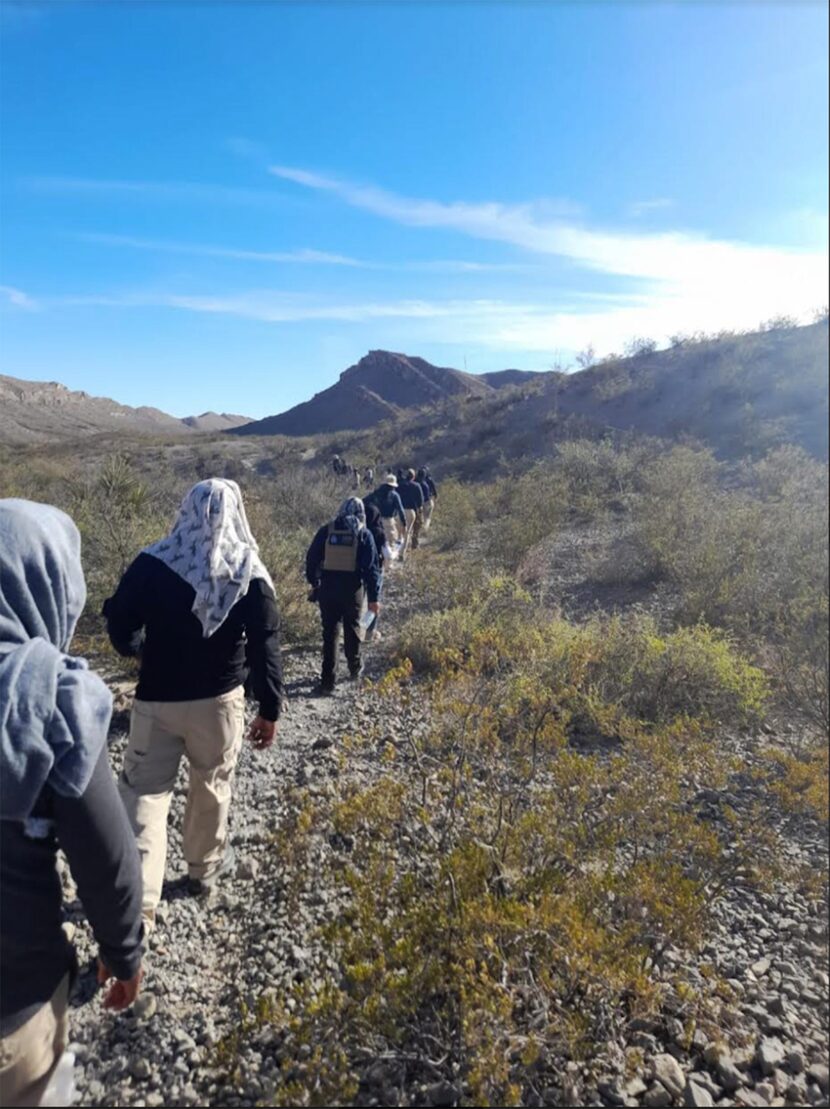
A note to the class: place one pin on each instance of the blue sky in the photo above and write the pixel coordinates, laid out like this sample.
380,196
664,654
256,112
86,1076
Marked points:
222,206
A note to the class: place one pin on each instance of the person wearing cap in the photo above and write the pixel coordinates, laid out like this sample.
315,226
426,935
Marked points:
412,499
393,518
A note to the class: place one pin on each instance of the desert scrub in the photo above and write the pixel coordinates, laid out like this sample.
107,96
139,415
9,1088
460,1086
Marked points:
508,898
601,674
455,515
801,781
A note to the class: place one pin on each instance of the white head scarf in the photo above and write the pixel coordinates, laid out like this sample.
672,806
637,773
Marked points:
212,548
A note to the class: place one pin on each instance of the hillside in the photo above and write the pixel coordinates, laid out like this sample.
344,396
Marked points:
215,421
382,384
738,394
34,412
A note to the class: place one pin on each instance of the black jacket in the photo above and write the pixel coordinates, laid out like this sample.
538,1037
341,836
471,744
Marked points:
99,844
150,615
368,570
411,494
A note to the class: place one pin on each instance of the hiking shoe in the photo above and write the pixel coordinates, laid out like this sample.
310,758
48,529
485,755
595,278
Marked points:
204,887
355,672
325,689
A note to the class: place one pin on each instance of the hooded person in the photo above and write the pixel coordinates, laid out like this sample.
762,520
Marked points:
198,609
391,510
342,565
57,791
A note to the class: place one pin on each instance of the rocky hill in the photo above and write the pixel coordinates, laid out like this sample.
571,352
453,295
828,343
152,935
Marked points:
382,384
34,412
739,394
215,421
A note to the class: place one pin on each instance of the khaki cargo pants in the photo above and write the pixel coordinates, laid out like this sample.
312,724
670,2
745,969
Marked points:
29,1056
209,733
392,530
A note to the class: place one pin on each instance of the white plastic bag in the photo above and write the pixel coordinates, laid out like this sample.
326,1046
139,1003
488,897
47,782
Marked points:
61,1088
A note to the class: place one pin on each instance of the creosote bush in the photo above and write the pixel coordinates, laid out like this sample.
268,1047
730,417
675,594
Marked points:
508,894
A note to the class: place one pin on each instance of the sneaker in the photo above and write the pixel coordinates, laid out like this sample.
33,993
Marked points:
204,887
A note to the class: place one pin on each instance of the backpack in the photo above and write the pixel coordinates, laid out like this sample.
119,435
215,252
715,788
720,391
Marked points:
341,550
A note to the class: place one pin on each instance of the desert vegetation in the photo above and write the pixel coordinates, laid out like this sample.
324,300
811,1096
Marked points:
556,792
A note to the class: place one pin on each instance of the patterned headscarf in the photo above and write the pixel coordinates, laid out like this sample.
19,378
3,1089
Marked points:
212,548
352,514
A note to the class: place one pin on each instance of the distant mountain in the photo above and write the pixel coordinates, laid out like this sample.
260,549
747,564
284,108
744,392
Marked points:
500,378
215,421
380,385
46,411
739,394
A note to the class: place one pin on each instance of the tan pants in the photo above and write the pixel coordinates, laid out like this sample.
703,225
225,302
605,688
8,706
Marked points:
391,529
29,1055
209,733
427,514
410,525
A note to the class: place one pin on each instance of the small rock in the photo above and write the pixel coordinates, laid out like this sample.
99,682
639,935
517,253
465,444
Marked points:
145,1006
247,869
694,1095
441,1093
322,744
668,1071
760,968
769,1054
657,1097
819,1074
140,1069
795,1060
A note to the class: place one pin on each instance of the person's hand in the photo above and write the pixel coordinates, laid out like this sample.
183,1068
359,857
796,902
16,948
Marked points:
262,733
121,994
374,606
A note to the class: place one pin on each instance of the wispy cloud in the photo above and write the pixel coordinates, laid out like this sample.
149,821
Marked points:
606,321
643,207
17,298
302,256
187,191
708,277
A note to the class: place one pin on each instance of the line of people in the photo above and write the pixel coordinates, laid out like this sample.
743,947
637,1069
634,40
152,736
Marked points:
198,611
346,559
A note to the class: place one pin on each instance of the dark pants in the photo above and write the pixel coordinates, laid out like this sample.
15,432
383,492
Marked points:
341,602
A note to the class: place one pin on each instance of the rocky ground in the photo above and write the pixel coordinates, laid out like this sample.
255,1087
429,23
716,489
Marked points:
207,960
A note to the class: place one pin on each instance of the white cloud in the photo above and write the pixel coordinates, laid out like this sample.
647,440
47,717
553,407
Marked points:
692,281
17,298
643,207
187,191
304,255
607,322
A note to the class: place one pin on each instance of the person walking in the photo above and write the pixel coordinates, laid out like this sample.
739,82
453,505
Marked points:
412,499
391,510
57,791
342,565
198,609
429,502
369,476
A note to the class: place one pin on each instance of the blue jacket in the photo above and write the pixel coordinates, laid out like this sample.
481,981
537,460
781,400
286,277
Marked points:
388,502
412,495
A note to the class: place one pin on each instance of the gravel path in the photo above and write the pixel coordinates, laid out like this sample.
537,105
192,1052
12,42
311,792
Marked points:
208,960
